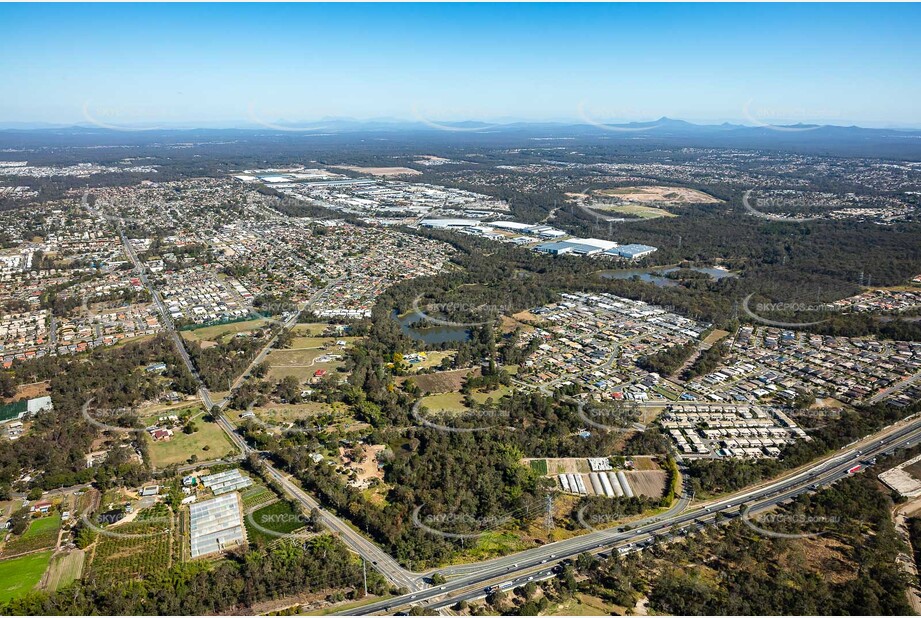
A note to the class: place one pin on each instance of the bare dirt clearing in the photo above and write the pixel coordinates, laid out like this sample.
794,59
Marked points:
382,171
674,196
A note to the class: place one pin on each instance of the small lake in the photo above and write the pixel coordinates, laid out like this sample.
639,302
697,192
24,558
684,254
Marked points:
431,334
656,276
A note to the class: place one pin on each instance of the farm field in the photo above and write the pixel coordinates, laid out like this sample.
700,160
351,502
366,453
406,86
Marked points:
256,496
64,570
19,575
145,548
179,448
41,534
649,483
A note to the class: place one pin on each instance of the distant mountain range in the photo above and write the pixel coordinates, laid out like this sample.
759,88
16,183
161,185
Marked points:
664,125
664,132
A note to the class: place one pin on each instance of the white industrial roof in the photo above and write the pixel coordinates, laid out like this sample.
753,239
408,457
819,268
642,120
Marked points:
216,525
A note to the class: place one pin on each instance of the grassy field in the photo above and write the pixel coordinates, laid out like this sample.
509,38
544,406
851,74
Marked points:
443,381
279,413
583,605
19,575
309,330
447,402
278,517
181,447
65,569
634,210
539,466
496,395
301,363
433,359
312,341
341,607
41,534
715,336
213,333
497,543
454,402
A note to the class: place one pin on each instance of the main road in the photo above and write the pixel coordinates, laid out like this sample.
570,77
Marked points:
370,552
537,563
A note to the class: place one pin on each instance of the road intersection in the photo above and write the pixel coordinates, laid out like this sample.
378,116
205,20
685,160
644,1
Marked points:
469,581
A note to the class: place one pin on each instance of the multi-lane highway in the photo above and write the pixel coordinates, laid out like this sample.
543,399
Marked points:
536,563
469,581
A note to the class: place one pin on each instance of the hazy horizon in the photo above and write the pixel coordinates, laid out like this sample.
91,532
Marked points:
242,65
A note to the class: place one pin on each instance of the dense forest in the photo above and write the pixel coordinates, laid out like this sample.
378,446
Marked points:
850,568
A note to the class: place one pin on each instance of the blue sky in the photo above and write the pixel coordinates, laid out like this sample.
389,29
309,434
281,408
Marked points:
233,64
